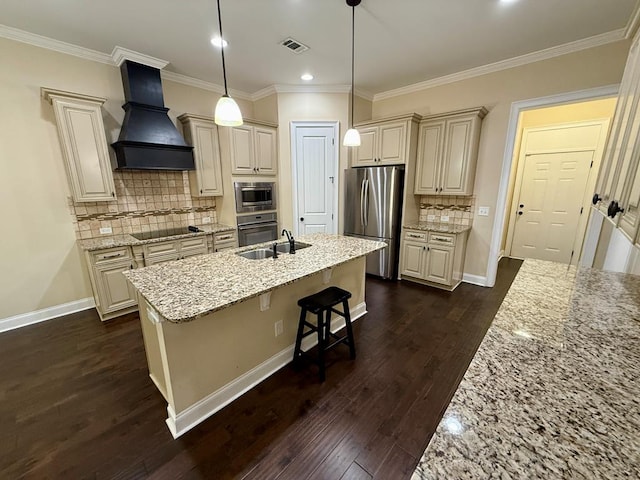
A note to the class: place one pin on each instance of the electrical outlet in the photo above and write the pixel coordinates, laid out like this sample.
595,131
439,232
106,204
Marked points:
431,218
206,219
279,327
483,211
106,231
444,218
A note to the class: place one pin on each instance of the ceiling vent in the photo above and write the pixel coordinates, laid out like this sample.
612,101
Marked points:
294,45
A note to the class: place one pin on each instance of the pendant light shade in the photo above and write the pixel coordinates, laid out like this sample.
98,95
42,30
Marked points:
227,112
352,136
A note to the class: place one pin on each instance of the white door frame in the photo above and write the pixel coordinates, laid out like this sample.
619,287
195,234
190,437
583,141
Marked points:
512,130
294,169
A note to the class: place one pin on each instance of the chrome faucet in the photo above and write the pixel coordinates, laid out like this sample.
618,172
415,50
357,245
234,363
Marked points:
292,242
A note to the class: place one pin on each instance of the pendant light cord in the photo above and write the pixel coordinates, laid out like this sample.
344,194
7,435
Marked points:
224,70
353,49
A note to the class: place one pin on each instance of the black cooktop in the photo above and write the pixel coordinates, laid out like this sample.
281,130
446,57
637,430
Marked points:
167,232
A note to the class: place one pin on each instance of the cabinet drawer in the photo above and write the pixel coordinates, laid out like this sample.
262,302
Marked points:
196,243
442,238
161,248
224,237
225,246
111,255
411,235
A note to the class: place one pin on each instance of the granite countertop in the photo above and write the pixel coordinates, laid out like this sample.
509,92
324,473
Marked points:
554,389
438,227
186,289
112,241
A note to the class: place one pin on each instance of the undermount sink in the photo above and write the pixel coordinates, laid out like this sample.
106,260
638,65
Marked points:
285,247
260,253
257,254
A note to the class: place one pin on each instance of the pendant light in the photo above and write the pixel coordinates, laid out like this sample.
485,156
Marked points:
227,110
352,137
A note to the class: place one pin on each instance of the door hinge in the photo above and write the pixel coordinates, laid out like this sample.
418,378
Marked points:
581,209
591,164
332,216
333,142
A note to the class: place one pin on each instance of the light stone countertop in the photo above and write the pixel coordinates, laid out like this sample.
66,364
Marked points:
112,241
553,391
184,290
438,227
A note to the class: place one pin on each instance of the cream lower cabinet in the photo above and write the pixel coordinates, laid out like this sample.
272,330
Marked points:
251,148
160,252
385,142
224,241
447,152
84,145
432,258
113,294
202,133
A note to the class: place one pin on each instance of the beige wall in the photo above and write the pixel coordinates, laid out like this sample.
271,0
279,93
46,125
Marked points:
266,109
362,109
41,266
541,117
497,91
303,107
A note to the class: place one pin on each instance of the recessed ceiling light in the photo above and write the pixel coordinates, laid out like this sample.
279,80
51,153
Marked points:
306,77
218,42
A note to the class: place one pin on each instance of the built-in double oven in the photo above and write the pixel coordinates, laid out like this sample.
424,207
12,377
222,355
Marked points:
253,227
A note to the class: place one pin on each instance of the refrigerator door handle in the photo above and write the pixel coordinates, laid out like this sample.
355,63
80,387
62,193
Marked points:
362,202
366,208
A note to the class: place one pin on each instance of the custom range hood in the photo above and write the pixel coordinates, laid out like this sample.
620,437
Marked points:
148,140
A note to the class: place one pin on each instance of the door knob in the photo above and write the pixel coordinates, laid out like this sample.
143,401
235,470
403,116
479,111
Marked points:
302,219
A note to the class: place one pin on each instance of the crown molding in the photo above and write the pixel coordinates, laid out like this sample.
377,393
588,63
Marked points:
312,88
364,94
571,47
55,45
633,23
120,54
203,84
265,92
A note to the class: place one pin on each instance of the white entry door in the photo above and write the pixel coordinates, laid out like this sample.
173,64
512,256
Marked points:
550,204
316,182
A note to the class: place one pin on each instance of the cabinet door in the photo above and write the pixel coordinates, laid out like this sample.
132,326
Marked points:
266,156
190,247
84,148
114,290
156,259
429,154
456,162
206,180
366,153
439,264
413,255
393,141
242,151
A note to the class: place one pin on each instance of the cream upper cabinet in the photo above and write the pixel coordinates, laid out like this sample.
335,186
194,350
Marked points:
383,142
447,152
252,148
84,145
202,133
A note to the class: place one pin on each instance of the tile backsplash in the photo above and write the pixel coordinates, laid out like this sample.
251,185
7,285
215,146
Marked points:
145,201
458,209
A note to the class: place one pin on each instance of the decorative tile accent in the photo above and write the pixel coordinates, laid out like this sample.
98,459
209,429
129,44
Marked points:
458,209
145,201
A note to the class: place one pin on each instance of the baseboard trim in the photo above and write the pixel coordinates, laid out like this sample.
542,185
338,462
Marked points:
474,279
184,421
29,318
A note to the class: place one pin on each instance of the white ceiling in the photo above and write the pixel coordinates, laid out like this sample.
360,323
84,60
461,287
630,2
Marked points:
398,43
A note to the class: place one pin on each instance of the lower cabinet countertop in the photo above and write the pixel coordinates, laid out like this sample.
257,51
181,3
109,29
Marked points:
113,241
438,227
553,390
187,289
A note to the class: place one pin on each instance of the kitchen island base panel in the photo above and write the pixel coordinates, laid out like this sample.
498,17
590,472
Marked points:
202,365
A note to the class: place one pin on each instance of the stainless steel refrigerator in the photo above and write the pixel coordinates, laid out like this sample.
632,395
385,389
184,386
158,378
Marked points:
373,207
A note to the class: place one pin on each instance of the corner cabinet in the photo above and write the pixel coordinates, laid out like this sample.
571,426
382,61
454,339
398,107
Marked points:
384,142
433,258
202,133
84,144
447,152
252,148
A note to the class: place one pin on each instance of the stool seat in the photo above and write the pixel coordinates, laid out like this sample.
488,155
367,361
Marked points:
321,304
327,298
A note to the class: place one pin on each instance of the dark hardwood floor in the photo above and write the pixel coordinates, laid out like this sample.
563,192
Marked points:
76,400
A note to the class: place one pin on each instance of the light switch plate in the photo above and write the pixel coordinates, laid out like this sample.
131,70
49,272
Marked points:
106,231
431,218
483,211
206,219
444,218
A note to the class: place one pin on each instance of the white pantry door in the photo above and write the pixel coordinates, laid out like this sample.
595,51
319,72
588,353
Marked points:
316,181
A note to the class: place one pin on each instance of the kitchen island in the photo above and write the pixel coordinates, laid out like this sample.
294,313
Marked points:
553,390
211,324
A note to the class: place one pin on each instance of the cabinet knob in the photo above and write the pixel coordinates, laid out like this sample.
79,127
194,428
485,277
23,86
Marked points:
113,194
596,198
424,248
519,213
302,219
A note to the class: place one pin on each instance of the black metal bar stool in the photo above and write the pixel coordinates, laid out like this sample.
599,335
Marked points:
321,304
